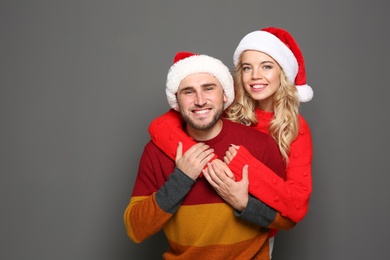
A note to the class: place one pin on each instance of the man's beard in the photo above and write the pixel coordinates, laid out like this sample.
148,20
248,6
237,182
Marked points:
195,126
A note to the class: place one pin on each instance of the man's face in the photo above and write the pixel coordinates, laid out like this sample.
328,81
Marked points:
201,100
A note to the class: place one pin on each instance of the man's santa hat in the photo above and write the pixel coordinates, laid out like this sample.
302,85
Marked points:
281,46
187,63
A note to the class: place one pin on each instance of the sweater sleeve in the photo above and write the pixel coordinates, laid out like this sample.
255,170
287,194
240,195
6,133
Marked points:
290,197
151,207
259,213
167,131
171,194
143,218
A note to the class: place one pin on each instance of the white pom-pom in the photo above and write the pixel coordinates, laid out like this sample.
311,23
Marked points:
305,93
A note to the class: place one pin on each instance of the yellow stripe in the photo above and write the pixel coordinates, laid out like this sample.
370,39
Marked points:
208,224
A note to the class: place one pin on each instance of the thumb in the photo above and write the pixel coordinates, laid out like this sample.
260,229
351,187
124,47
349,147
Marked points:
179,151
245,173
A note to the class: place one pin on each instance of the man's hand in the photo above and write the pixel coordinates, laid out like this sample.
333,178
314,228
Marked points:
194,159
223,168
234,193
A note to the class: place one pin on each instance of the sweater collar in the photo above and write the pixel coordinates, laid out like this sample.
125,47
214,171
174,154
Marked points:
225,129
264,115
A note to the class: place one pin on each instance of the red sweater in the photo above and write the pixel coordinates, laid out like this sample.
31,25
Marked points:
288,196
197,222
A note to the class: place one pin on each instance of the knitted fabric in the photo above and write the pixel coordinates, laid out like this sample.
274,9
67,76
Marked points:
290,197
202,226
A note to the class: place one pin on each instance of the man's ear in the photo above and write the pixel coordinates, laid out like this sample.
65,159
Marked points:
177,108
225,98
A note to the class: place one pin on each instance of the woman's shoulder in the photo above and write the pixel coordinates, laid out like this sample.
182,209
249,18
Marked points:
303,141
303,124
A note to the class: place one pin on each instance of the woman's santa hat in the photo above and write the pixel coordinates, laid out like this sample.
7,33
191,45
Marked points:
281,46
187,63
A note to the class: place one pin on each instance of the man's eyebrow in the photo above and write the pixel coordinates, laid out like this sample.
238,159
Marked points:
186,88
208,84
205,85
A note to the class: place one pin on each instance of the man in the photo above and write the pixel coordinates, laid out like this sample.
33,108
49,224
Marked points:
204,216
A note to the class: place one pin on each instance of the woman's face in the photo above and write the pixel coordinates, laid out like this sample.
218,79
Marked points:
260,75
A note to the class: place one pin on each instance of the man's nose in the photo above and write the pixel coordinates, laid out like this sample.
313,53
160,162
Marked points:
200,99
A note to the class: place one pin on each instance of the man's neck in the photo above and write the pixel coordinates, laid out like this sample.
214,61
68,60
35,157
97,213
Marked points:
205,135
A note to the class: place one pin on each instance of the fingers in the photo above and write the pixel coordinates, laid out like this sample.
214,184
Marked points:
199,150
201,153
224,169
214,173
205,157
179,151
245,174
194,159
229,173
210,176
234,193
230,153
236,147
227,159
217,175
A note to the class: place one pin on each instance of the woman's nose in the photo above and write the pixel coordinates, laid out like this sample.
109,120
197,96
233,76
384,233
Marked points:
256,74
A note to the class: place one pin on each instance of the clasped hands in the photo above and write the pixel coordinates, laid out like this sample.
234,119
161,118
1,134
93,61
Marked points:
196,160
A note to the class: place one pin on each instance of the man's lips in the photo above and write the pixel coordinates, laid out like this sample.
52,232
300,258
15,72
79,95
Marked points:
201,111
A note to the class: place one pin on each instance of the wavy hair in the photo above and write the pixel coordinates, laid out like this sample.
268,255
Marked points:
284,127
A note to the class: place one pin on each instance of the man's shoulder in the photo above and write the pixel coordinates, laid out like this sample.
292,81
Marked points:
155,156
153,150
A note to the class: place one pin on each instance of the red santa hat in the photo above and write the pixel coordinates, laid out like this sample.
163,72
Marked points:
187,63
281,46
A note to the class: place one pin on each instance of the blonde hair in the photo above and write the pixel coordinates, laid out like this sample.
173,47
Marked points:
284,127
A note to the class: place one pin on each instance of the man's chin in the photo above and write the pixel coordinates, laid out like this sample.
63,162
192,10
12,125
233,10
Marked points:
202,123
201,126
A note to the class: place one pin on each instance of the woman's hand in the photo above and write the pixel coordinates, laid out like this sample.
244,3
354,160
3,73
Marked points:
230,153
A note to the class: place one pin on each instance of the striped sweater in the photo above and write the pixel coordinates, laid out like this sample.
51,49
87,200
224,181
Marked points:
289,196
196,221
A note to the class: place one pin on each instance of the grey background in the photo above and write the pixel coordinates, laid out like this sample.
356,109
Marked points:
81,80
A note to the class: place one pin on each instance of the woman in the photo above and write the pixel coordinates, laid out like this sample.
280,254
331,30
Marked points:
270,82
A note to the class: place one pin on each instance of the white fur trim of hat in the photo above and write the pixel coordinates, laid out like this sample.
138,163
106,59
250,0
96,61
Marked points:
186,63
